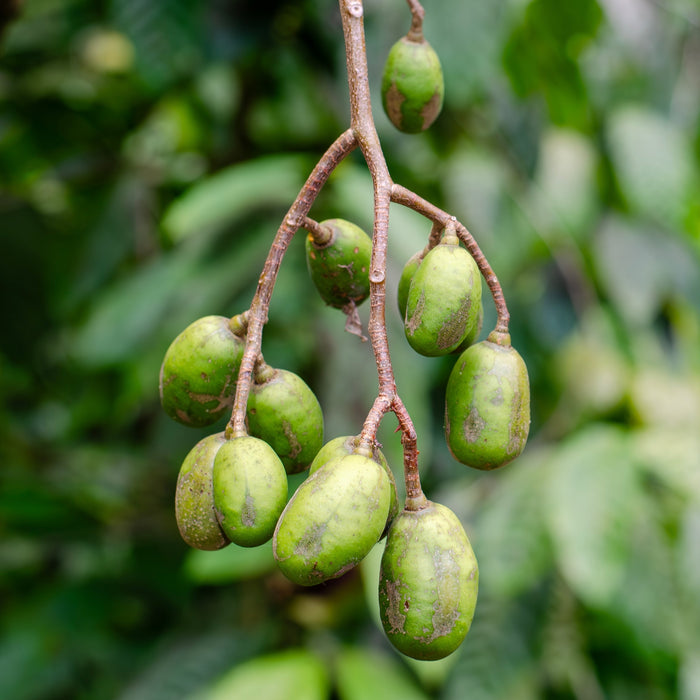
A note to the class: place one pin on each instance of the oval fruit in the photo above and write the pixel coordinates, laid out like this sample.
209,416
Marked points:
194,498
409,269
333,520
428,583
286,414
443,302
339,268
199,372
412,85
250,490
346,445
487,404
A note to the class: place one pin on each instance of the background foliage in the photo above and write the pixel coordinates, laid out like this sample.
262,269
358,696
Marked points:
148,150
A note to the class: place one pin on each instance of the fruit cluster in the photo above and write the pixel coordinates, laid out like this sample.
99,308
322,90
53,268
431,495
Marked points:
232,486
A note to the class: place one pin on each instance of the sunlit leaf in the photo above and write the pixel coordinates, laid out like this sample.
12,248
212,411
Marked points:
273,181
287,675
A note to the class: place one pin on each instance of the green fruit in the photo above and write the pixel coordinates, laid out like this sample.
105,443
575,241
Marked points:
412,85
250,490
428,583
444,298
333,520
194,498
407,273
199,372
285,413
487,404
347,445
339,267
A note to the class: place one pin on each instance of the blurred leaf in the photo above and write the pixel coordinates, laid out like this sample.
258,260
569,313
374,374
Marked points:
287,675
272,181
641,268
190,664
510,535
653,163
229,564
365,675
594,504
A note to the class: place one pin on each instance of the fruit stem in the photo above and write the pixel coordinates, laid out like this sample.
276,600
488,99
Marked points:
321,235
257,314
404,196
239,324
415,33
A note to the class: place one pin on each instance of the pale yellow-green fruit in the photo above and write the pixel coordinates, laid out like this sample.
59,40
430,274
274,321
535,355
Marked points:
487,404
428,583
333,520
250,490
347,445
285,413
444,299
194,498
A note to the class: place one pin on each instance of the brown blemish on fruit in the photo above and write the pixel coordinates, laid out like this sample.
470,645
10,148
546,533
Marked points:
309,545
394,99
248,513
392,611
452,330
473,426
295,447
413,323
431,109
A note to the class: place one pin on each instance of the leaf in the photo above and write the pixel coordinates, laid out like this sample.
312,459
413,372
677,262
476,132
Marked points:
229,564
286,675
191,663
593,505
653,161
510,535
641,268
270,181
362,674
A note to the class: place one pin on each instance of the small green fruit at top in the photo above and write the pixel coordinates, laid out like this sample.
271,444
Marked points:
428,583
444,299
412,84
333,520
194,498
487,404
286,414
409,270
250,490
347,445
199,372
339,266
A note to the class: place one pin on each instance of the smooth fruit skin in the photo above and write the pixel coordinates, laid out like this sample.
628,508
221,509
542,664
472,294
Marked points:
428,583
194,498
250,490
286,414
409,269
412,85
199,372
443,302
347,445
340,268
487,405
333,520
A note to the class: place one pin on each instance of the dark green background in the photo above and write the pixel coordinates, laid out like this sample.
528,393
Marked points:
148,151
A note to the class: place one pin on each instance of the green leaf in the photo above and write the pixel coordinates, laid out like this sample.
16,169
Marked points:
229,564
593,507
287,675
510,534
653,161
271,181
190,664
362,674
